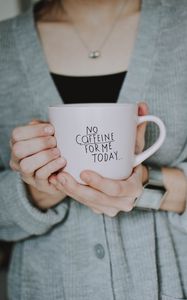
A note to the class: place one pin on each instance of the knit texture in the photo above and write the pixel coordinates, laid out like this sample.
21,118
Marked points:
56,252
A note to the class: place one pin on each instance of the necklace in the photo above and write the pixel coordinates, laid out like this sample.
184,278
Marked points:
93,54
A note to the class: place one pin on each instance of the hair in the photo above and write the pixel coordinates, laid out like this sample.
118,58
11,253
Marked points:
43,7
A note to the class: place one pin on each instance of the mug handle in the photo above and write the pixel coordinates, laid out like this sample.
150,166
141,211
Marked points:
139,158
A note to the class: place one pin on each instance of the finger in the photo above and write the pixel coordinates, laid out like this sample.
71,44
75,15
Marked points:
31,131
143,109
110,187
29,165
125,204
52,179
80,192
46,171
140,138
93,199
43,174
86,200
14,166
85,194
96,204
29,147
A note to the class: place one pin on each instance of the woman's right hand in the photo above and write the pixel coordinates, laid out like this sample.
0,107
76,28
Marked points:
35,156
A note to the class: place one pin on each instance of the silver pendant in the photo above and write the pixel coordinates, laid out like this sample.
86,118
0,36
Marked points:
94,54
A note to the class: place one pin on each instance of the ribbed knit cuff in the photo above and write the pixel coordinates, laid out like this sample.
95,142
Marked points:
23,213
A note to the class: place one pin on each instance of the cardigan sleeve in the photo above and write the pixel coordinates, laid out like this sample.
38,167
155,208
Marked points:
180,220
19,219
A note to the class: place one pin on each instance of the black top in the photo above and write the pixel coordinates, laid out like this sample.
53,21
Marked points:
89,89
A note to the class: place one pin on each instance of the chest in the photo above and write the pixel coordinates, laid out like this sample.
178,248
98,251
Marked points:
67,48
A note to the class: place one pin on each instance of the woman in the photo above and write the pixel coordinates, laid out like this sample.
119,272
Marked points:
94,241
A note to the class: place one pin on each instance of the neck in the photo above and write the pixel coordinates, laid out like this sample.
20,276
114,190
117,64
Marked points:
88,11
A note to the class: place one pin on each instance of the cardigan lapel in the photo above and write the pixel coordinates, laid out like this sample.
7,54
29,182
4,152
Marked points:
142,59
34,64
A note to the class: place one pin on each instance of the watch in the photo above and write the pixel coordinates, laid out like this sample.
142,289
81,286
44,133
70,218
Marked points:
154,191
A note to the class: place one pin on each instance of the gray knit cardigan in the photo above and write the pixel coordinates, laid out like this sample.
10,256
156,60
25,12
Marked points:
68,252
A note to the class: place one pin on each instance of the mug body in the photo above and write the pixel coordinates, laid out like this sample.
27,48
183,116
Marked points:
98,137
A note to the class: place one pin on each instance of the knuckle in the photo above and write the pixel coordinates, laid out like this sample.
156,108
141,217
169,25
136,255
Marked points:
46,156
128,204
51,141
39,175
17,150
13,166
52,153
25,167
128,207
15,134
55,165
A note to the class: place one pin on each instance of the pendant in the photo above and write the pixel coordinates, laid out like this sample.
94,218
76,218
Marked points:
94,54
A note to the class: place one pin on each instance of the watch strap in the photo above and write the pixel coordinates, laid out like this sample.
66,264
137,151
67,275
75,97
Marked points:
155,177
154,191
150,199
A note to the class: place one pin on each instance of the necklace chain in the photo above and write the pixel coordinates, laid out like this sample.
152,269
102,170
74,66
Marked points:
97,52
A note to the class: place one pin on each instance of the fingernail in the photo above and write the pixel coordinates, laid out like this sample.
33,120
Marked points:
49,130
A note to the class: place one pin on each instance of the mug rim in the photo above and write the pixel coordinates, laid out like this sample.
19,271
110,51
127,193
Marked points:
95,105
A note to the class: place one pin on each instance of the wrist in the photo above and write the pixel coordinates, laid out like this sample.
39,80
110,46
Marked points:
35,196
176,184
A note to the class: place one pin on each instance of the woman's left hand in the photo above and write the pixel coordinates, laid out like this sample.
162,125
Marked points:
102,195
105,195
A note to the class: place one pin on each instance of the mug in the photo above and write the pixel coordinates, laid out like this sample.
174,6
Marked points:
101,137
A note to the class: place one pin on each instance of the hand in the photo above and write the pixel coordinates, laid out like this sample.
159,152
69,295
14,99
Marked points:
35,155
104,195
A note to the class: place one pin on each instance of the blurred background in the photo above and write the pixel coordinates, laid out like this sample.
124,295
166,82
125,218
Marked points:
8,8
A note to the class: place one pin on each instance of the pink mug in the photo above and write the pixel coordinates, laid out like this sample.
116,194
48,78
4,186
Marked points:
101,137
